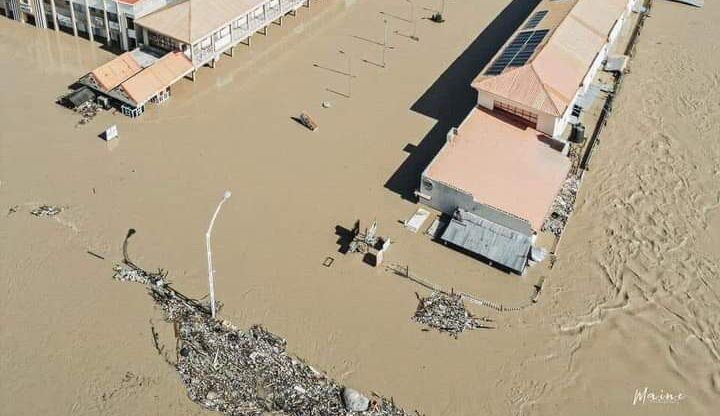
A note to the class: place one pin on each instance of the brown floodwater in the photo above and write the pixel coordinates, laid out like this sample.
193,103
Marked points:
632,302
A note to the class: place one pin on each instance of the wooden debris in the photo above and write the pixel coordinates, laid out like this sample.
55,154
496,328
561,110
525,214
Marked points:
46,211
446,312
562,207
308,122
236,372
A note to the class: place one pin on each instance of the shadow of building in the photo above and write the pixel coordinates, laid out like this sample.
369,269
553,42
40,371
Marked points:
450,98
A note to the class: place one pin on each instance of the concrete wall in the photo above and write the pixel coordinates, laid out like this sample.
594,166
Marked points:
448,199
486,100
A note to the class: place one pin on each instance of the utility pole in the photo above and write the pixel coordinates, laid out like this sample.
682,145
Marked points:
414,21
350,75
385,42
211,277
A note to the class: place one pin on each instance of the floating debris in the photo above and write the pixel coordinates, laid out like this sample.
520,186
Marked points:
446,312
46,211
247,373
562,207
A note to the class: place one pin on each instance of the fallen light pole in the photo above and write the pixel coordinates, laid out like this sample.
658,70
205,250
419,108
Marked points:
211,277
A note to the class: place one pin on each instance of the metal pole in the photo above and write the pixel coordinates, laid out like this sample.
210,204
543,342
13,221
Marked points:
211,277
414,21
385,43
349,74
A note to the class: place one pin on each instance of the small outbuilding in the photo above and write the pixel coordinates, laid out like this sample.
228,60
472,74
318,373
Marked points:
78,97
492,241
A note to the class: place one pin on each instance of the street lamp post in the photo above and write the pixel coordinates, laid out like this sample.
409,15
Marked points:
385,42
211,277
349,75
414,21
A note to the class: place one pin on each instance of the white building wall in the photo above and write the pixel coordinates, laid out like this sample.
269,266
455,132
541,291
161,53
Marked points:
486,100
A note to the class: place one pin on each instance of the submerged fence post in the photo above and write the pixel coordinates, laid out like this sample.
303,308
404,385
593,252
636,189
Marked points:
211,277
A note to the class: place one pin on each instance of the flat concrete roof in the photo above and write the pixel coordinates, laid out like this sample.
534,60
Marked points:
504,164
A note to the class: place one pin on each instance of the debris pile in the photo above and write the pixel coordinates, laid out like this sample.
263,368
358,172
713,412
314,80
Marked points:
446,312
87,111
46,211
562,207
246,373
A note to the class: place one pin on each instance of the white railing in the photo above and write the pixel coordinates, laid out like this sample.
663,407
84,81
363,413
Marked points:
252,25
240,33
202,54
289,5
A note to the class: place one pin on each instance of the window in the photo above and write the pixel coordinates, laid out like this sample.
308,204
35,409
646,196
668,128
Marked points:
427,185
130,23
516,111
162,42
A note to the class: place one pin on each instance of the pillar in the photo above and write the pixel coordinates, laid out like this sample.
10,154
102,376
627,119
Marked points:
72,17
54,14
107,23
89,22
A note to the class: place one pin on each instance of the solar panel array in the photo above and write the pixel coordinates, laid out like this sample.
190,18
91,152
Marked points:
535,19
518,52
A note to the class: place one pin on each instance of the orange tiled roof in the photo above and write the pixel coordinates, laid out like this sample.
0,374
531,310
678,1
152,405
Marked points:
161,75
549,82
115,72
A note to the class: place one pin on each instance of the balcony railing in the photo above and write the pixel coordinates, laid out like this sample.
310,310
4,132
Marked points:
252,25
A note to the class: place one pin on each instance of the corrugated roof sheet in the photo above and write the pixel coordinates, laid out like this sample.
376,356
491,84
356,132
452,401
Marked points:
490,240
115,72
550,80
161,75
192,20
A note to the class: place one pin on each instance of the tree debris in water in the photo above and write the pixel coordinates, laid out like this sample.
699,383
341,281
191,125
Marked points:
446,312
46,211
246,372
562,207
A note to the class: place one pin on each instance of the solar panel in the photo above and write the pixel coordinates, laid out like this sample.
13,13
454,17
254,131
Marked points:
518,52
535,19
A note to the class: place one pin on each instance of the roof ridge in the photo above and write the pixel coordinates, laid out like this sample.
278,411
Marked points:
554,30
544,87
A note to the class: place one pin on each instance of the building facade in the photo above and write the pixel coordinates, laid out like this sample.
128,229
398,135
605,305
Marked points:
111,22
545,69
500,171
205,30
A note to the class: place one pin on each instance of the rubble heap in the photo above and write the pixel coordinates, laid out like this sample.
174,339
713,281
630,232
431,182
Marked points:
87,112
562,207
247,373
446,312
